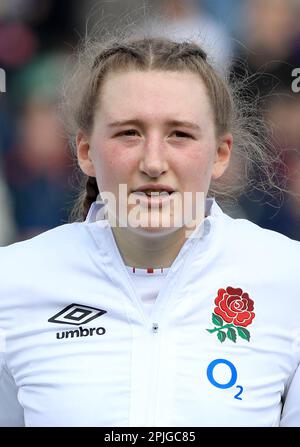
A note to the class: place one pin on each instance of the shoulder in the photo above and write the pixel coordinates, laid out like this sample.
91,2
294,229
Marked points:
49,249
56,251
265,264
37,269
51,240
241,233
43,269
260,246
245,230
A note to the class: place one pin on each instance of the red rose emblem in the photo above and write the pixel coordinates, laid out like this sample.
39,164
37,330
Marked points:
234,306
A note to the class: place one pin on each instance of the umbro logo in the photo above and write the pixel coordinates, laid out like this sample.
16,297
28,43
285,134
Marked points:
78,314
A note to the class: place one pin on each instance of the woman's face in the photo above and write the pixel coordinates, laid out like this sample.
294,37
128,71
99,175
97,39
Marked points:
153,128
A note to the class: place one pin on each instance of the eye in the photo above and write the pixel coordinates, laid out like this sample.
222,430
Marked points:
181,134
128,132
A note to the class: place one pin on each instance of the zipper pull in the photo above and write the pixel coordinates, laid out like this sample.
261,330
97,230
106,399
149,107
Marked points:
155,327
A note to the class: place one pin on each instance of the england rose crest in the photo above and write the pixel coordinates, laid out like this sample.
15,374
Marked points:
232,314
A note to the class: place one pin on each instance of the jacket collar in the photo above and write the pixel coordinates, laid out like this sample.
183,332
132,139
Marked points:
96,211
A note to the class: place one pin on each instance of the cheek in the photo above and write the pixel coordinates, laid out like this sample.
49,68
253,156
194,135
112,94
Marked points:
196,167
112,167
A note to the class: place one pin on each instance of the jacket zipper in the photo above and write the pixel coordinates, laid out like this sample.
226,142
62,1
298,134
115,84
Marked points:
153,375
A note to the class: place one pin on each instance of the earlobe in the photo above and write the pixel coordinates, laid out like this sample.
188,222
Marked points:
84,155
223,154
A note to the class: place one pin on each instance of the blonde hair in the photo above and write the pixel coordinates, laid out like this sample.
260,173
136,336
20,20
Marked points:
232,112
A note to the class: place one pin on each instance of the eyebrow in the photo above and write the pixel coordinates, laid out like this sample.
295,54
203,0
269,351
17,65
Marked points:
136,122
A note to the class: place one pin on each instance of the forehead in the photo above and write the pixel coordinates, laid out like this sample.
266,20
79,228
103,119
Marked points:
154,92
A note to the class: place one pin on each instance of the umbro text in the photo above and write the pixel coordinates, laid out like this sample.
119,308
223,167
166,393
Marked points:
81,332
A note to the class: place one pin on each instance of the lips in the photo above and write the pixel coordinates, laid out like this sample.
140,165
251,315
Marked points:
153,193
154,188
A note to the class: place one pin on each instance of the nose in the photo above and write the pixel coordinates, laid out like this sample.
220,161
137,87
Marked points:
154,158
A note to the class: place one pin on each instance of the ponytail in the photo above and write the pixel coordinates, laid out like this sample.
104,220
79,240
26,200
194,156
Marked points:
91,194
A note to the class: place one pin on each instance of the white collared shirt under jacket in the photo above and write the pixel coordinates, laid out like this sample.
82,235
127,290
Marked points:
220,346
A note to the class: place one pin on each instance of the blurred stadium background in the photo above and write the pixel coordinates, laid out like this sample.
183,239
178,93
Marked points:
37,187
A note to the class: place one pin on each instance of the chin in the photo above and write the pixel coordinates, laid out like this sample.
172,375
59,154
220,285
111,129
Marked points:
154,231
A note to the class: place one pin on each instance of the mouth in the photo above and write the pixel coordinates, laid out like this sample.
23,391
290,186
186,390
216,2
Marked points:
153,198
151,193
155,189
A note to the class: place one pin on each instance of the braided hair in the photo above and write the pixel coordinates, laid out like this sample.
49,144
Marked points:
91,194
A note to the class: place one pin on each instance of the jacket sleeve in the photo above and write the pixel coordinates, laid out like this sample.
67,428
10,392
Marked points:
11,412
290,416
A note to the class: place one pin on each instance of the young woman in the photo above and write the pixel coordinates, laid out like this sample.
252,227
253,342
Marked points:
129,318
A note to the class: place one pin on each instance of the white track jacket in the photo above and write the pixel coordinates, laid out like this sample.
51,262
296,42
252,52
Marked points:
220,348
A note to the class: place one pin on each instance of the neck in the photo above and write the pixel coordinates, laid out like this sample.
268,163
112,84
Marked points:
142,251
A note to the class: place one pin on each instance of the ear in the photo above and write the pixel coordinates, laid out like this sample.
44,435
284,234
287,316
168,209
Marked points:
222,156
84,155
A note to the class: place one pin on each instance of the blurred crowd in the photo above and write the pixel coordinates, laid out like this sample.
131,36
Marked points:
259,39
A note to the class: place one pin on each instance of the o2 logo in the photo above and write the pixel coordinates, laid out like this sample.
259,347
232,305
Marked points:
232,381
